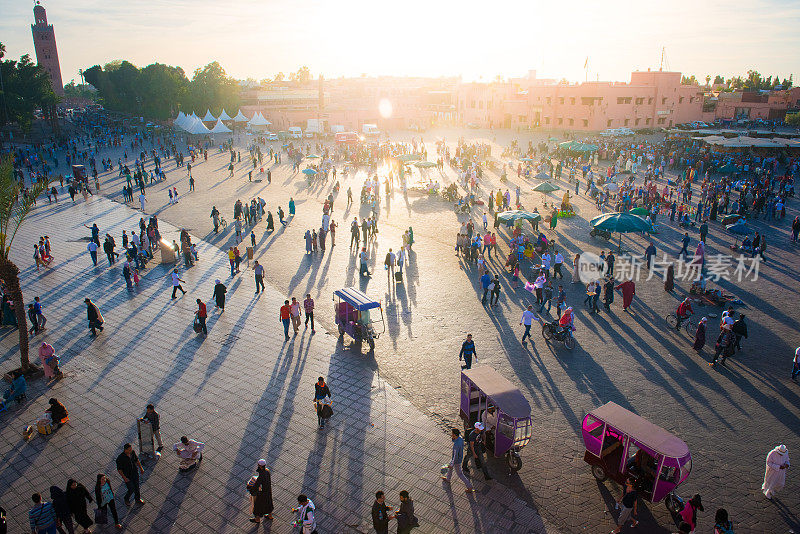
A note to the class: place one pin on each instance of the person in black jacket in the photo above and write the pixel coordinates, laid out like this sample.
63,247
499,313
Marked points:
406,520
63,514
94,316
262,496
219,295
739,329
381,514
322,401
77,496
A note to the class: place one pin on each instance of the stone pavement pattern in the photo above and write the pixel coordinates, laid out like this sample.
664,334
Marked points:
729,417
242,391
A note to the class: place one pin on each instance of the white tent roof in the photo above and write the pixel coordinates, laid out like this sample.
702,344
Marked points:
220,128
193,116
240,117
195,126
180,120
224,116
209,117
259,120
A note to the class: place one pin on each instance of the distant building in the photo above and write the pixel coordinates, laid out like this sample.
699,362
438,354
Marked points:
652,99
751,105
44,41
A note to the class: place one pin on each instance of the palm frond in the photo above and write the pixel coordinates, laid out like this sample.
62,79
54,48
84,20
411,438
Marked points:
14,208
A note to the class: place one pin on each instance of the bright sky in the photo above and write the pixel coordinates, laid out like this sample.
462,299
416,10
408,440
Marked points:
253,38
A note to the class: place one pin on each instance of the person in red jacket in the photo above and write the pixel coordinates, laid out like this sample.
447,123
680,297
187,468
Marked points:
683,312
201,316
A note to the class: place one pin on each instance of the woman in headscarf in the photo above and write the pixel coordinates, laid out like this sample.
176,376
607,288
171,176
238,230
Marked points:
63,514
219,294
775,475
47,355
77,497
262,493
700,335
669,281
58,413
95,317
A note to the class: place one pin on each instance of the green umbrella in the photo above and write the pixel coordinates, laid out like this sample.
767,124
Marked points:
408,157
546,187
567,145
640,211
728,169
622,223
424,164
313,156
512,216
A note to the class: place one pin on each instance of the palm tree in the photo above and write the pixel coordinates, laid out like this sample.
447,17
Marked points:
13,210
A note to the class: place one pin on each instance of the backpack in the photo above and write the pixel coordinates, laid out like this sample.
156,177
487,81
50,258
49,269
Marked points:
252,486
724,529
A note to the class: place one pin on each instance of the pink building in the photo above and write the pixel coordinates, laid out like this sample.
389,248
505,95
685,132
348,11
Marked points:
44,41
767,105
652,99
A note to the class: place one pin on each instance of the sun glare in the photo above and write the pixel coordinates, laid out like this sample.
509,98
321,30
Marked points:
385,108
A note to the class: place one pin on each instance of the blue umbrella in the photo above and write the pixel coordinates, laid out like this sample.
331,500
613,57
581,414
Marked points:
309,172
525,159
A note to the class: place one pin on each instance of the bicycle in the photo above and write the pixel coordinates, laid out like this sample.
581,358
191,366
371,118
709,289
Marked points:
687,324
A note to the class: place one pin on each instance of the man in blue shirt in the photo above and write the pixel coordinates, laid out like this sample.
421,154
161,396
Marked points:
486,280
456,459
467,352
42,516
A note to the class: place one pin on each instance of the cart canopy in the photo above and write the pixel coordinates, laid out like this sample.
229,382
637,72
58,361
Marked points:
357,299
641,430
503,393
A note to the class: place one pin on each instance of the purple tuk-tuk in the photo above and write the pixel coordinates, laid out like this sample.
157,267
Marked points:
622,445
491,399
354,315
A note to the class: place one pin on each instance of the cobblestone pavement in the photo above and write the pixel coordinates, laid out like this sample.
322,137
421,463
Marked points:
729,417
243,391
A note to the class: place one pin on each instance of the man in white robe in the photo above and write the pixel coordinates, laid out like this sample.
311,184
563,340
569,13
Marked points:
775,476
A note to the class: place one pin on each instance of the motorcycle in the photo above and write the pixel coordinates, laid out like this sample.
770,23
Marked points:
552,330
596,232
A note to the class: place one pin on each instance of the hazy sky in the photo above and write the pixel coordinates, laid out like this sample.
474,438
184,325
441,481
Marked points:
257,39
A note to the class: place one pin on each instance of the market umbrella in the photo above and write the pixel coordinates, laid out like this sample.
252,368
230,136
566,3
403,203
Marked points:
727,169
739,228
408,157
546,187
542,176
731,219
640,211
309,172
622,222
525,159
424,164
312,156
512,216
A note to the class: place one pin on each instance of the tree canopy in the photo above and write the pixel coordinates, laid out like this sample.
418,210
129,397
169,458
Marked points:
26,87
159,91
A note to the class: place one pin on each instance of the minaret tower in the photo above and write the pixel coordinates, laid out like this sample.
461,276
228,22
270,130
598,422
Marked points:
44,41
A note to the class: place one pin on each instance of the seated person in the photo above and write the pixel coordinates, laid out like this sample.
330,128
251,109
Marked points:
58,413
189,451
567,320
17,390
489,420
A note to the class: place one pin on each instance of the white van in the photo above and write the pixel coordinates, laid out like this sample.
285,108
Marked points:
295,132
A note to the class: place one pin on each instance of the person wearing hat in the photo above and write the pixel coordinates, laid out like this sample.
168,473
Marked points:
260,487
475,450
689,512
775,475
95,317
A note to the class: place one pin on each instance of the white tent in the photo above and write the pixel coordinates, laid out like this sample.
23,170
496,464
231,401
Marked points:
195,126
224,116
209,117
220,128
240,117
180,120
258,120
193,116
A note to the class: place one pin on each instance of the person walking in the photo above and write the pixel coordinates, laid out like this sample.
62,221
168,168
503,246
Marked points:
406,520
527,320
202,314
104,497
259,272
775,475
92,248
176,283
722,524
129,468
628,504
739,329
95,317
700,335
494,287
389,264
628,288
308,306
219,295
486,281
363,259
305,514
689,512
475,448
468,352
260,487
42,517
295,311
284,317
77,495
796,364
456,459
64,523
381,514
322,400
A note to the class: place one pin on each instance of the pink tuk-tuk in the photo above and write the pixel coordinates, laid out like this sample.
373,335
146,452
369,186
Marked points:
491,399
622,445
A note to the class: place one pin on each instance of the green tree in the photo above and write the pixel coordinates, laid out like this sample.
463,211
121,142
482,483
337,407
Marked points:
26,87
80,90
211,88
162,88
719,79
793,119
690,80
14,207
